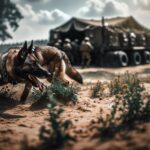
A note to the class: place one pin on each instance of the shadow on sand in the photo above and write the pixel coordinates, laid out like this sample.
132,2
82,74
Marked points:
7,103
10,116
39,104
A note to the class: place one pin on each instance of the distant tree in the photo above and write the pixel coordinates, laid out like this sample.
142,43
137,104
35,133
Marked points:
9,18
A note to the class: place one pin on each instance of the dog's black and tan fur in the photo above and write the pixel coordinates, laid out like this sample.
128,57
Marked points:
25,64
18,66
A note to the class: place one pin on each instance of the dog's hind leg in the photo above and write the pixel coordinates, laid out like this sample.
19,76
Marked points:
60,72
25,93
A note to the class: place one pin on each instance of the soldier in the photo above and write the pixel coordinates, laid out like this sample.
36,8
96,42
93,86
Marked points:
58,44
85,49
76,51
67,48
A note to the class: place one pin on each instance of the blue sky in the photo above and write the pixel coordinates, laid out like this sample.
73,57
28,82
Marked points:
42,15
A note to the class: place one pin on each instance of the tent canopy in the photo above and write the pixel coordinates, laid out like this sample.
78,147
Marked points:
117,24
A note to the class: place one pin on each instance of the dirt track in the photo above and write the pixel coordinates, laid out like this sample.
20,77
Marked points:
19,121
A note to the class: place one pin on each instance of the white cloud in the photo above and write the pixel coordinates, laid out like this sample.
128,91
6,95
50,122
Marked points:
108,8
115,8
142,4
142,17
92,8
142,11
55,16
28,12
42,16
36,25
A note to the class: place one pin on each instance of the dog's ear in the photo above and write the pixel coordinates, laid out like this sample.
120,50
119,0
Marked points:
22,54
30,48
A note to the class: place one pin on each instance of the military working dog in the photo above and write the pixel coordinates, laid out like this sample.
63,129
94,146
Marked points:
55,62
40,61
17,65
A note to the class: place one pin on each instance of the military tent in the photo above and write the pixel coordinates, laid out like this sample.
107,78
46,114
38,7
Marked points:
115,37
79,28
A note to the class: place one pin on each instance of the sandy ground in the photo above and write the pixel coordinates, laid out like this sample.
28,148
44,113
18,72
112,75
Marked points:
18,122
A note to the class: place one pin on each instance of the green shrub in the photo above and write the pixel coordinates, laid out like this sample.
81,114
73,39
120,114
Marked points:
131,104
97,91
57,90
57,133
120,84
53,135
45,94
66,93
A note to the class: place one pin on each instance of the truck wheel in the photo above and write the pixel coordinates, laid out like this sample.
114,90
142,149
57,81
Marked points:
136,58
147,57
122,59
110,59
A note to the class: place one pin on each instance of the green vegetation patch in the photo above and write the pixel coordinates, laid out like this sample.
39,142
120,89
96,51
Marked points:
58,91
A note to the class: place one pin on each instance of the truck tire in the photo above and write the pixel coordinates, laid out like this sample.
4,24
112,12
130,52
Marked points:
136,58
147,57
109,59
122,59
117,59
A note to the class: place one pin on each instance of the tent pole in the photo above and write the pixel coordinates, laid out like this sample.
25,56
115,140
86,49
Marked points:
103,41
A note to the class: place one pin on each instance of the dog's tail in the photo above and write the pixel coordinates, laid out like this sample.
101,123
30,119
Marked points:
70,71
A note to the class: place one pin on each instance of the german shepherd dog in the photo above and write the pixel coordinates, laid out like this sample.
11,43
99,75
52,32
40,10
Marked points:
17,65
55,62
39,61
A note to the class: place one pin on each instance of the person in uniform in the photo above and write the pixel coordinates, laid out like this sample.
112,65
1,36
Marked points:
67,48
86,49
76,51
58,44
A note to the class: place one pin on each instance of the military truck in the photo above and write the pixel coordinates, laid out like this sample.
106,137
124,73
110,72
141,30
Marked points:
119,41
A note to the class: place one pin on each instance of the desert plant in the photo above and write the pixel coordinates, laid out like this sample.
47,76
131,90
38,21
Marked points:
68,92
108,124
131,104
132,96
57,133
45,94
58,90
98,90
121,83
115,86
53,135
